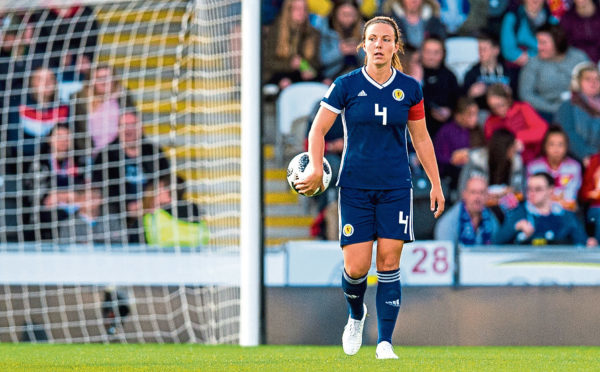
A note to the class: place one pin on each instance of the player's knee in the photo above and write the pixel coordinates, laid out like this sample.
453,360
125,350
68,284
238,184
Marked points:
356,270
388,263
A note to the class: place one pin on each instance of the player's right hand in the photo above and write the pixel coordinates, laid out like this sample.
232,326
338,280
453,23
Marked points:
311,184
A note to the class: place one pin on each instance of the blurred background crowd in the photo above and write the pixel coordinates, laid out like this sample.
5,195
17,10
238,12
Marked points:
512,99
75,165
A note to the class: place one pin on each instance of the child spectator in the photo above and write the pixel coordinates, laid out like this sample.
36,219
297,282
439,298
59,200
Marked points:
518,117
455,139
440,87
417,19
169,222
489,70
590,193
517,35
501,165
54,180
340,36
580,116
469,222
291,47
546,78
581,25
540,221
564,169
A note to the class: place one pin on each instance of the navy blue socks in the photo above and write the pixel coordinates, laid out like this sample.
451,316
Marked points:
388,301
354,291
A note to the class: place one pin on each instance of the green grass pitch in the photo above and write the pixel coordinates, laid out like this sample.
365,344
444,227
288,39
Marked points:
186,357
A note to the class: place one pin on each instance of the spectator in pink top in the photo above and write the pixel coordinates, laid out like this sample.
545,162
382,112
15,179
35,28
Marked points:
98,108
565,170
518,117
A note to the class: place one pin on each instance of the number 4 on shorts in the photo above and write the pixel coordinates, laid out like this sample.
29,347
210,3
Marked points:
403,221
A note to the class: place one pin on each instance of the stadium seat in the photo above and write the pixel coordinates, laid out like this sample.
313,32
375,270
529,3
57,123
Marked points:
461,54
294,102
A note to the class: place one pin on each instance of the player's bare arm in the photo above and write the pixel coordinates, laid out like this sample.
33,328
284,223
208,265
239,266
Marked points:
316,148
424,147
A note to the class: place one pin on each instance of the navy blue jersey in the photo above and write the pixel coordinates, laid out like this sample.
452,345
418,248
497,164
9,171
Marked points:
375,117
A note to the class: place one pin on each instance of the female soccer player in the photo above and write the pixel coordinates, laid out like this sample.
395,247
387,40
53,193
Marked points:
378,103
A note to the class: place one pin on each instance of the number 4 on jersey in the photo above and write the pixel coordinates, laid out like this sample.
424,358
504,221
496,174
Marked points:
382,113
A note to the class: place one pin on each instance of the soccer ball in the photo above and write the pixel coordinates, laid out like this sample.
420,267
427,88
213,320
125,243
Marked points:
299,167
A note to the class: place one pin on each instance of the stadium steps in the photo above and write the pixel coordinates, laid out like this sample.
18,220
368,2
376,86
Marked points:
208,95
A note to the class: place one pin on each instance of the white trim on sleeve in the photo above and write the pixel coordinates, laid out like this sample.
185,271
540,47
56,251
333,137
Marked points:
330,108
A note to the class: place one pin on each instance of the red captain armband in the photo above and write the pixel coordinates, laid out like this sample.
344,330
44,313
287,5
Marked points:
417,112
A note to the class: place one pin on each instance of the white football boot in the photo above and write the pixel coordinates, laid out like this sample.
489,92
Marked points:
385,351
352,337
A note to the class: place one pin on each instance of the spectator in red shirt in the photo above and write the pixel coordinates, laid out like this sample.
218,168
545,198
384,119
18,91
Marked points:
518,117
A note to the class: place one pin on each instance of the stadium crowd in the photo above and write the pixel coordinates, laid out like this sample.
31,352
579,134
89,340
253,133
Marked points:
517,137
75,166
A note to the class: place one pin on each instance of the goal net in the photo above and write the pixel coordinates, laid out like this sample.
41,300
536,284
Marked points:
120,171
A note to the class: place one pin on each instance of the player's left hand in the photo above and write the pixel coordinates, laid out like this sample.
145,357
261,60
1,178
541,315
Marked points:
437,198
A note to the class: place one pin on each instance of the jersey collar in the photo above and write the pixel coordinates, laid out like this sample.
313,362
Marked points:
376,84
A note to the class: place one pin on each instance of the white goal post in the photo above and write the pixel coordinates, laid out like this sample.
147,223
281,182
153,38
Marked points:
194,280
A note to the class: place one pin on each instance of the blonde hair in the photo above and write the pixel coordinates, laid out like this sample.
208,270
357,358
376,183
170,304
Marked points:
285,43
396,63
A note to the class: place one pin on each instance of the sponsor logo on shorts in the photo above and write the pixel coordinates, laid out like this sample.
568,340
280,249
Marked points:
398,94
348,230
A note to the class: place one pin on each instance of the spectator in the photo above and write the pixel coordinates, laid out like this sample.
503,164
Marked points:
518,117
89,224
476,18
67,38
14,49
453,14
53,181
540,221
97,110
590,193
455,139
581,25
291,47
564,169
169,226
580,116
340,35
469,222
31,119
545,80
67,35
440,87
489,70
411,63
417,19
517,35
125,166
501,165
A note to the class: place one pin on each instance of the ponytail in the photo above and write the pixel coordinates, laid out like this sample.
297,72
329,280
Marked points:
396,63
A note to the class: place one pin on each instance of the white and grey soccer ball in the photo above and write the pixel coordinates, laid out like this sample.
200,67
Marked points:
299,167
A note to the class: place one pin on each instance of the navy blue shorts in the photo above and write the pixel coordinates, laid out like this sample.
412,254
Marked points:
366,215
